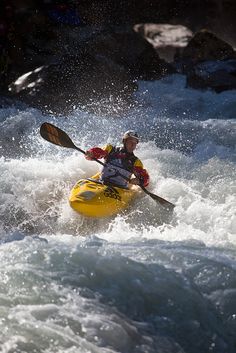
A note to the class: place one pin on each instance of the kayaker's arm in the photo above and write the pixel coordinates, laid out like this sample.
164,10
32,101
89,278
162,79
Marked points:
95,152
142,175
98,153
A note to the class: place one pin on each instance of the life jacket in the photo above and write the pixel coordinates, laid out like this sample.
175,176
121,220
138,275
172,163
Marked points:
118,161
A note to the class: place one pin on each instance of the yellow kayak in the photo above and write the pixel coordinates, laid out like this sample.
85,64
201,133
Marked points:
92,198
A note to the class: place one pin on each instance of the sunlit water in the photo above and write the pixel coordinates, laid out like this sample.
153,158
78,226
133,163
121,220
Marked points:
145,280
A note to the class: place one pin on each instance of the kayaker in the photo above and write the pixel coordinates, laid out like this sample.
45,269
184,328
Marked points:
121,161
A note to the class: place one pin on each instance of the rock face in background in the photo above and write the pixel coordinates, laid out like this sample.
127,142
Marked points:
216,75
104,69
167,39
209,62
57,55
206,46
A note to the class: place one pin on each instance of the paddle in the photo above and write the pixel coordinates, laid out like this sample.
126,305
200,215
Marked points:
58,137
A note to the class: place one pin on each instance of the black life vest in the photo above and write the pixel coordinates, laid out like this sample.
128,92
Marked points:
118,162
127,159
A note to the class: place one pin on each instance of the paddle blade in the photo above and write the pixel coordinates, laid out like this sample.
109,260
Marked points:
56,136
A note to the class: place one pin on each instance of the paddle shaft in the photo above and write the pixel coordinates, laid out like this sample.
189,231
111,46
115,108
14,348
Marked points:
58,137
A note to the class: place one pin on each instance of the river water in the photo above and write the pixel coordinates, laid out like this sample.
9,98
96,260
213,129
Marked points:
144,281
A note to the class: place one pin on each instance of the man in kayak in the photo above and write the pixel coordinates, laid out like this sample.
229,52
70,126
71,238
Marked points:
120,162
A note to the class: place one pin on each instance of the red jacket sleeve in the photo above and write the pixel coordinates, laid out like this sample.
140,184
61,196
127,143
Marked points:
142,174
97,152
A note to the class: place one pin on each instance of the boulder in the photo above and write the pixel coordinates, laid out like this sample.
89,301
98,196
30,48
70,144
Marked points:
166,39
130,50
98,69
208,62
217,75
206,46
72,82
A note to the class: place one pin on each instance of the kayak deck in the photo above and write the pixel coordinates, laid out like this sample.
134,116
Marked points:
92,198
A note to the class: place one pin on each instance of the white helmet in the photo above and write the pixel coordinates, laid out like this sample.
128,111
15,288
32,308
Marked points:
130,133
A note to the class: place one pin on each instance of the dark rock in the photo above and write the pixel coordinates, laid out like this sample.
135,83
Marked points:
166,39
62,86
101,68
208,62
217,75
205,46
131,51
96,57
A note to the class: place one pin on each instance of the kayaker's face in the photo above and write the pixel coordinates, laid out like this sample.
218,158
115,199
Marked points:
130,144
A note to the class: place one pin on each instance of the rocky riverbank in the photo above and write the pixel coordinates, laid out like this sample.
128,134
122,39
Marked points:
60,55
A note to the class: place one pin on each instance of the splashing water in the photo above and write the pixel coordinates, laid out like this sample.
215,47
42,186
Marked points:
143,281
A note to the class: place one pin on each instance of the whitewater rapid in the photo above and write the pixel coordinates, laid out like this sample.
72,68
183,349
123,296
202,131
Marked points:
145,280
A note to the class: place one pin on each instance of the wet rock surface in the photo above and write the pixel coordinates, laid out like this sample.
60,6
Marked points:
59,55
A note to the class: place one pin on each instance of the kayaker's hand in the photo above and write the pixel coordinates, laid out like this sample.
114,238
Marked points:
89,155
134,181
137,180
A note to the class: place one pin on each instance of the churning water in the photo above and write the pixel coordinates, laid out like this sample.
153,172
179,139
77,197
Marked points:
143,281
